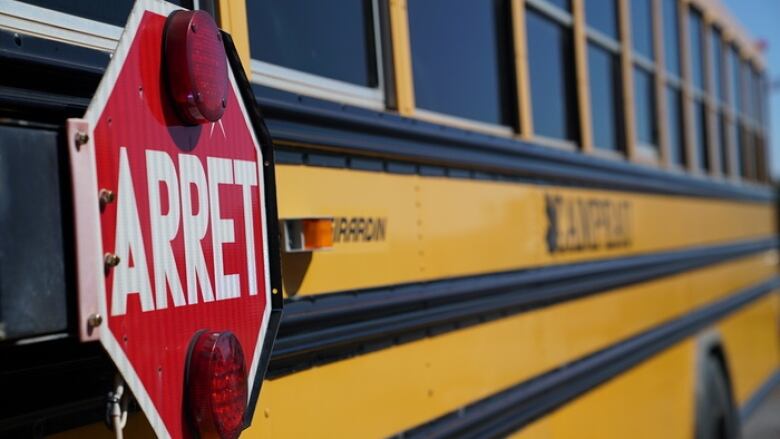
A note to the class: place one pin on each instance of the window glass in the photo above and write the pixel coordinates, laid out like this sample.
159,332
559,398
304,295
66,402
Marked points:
743,151
736,82
604,97
695,27
734,136
114,12
746,103
551,76
721,143
675,125
644,100
702,137
330,39
671,37
642,27
563,4
716,49
756,108
460,50
602,16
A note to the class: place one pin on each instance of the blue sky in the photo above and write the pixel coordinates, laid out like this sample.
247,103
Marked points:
762,19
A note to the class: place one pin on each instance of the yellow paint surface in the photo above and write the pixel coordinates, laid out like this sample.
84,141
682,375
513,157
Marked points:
446,227
653,400
750,340
387,391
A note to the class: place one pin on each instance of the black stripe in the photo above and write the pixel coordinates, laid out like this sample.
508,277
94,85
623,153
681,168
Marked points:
344,129
510,410
321,329
48,81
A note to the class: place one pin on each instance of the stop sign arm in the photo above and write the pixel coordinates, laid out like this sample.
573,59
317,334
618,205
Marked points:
272,218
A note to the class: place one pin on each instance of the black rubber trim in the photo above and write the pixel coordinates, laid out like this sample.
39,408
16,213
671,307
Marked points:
48,81
321,329
510,410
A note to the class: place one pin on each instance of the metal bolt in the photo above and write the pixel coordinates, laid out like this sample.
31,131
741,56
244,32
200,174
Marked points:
224,103
111,260
194,27
81,138
94,320
106,197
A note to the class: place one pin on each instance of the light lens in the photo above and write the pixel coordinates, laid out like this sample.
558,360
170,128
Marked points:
196,66
217,385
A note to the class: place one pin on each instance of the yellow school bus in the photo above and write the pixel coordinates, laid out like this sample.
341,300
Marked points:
531,218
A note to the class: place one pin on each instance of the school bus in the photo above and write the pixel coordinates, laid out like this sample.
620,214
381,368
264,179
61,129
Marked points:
532,218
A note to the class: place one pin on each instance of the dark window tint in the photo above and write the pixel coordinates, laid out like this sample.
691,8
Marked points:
460,50
744,151
602,16
644,101
604,97
736,79
671,36
552,77
746,103
721,144
696,30
702,138
112,12
734,139
563,4
642,27
331,39
675,124
716,49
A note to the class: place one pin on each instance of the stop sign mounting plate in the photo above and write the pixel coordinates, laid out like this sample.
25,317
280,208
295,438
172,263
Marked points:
175,225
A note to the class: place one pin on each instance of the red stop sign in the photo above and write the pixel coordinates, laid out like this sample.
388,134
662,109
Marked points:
179,241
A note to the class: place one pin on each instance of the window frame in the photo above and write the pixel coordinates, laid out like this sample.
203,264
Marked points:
614,47
321,87
699,95
565,19
471,124
28,19
646,152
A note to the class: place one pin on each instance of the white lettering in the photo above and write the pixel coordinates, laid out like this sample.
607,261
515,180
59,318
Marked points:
195,225
246,176
222,231
160,169
129,280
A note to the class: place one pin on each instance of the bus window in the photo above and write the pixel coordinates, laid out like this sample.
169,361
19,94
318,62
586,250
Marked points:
736,83
644,73
605,99
461,56
327,49
676,138
551,72
601,15
642,27
114,12
671,37
696,56
718,87
604,74
644,108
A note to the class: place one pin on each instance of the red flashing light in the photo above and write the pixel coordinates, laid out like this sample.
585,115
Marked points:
217,385
196,66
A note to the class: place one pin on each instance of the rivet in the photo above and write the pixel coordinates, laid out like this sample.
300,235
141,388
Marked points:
81,138
106,197
94,320
224,103
111,260
194,27
274,291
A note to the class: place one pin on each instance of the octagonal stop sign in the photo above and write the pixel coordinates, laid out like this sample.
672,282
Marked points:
175,222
